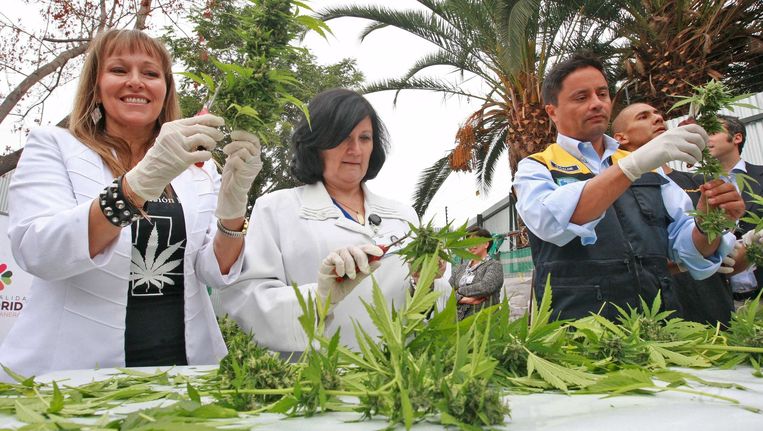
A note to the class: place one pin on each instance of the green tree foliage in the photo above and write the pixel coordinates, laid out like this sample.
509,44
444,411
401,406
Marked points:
252,35
262,35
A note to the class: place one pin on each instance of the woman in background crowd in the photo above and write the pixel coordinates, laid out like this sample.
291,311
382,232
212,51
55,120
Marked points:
477,282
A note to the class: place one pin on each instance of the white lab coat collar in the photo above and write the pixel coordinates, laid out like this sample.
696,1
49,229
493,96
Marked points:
317,204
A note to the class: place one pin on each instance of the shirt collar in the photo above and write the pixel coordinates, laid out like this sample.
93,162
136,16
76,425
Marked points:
741,165
583,150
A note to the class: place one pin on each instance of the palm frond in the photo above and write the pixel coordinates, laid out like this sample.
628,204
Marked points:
487,164
428,84
521,32
506,44
429,183
422,24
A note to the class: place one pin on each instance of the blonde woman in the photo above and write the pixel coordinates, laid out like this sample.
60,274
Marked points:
118,226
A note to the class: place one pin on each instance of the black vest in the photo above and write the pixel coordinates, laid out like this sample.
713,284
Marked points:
629,259
705,301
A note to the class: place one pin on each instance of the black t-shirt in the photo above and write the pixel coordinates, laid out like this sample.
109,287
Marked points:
155,326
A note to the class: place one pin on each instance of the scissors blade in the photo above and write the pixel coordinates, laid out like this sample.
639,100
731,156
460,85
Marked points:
394,252
395,244
399,240
211,100
693,110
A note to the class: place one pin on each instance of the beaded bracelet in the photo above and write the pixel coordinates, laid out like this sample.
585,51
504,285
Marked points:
118,210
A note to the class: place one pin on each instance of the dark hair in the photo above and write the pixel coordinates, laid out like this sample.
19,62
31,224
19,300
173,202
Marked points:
481,232
333,115
552,84
734,126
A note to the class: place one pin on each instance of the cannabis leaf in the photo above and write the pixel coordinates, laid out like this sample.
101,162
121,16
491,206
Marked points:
150,269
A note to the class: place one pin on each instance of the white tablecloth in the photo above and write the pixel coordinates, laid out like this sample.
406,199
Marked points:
668,411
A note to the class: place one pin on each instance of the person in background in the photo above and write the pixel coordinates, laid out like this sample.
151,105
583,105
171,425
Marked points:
119,228
602,225
706,301
323,237
477,282
727,147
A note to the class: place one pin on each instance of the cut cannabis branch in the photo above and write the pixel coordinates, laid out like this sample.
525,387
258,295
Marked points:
704,104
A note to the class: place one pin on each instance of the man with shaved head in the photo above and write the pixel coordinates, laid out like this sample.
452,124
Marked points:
639,123
636,125
705,301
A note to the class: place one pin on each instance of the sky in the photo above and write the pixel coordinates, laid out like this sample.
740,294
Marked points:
421,126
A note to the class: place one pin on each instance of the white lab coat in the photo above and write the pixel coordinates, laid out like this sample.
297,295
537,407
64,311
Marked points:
75,317
290,233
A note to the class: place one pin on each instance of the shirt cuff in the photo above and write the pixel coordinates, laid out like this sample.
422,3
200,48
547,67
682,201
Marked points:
700,267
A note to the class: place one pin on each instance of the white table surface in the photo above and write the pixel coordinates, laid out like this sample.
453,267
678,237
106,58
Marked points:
549,411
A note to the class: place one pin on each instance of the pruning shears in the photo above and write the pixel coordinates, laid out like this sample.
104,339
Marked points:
205,110
693,110
691,119
371,258
208,104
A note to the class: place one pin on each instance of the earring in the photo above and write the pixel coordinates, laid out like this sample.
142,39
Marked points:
95,114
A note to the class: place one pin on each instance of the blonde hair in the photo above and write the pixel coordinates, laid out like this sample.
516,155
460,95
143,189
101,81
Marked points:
114,150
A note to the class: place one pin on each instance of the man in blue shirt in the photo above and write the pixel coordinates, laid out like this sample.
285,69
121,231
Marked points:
604,222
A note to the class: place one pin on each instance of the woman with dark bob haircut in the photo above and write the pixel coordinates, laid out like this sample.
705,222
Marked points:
334,113
320,236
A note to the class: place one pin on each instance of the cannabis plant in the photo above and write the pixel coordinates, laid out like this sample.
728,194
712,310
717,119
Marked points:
444,243
249,366
704,105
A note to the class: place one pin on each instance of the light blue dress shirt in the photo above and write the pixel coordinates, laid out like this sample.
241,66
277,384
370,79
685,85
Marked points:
546,208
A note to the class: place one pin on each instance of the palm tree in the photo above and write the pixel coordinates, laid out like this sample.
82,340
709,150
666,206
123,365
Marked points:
507,45
674,44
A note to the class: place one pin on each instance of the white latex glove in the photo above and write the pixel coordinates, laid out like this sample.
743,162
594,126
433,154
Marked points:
342,262
683,143
751,237
241,168
728,262
175,149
